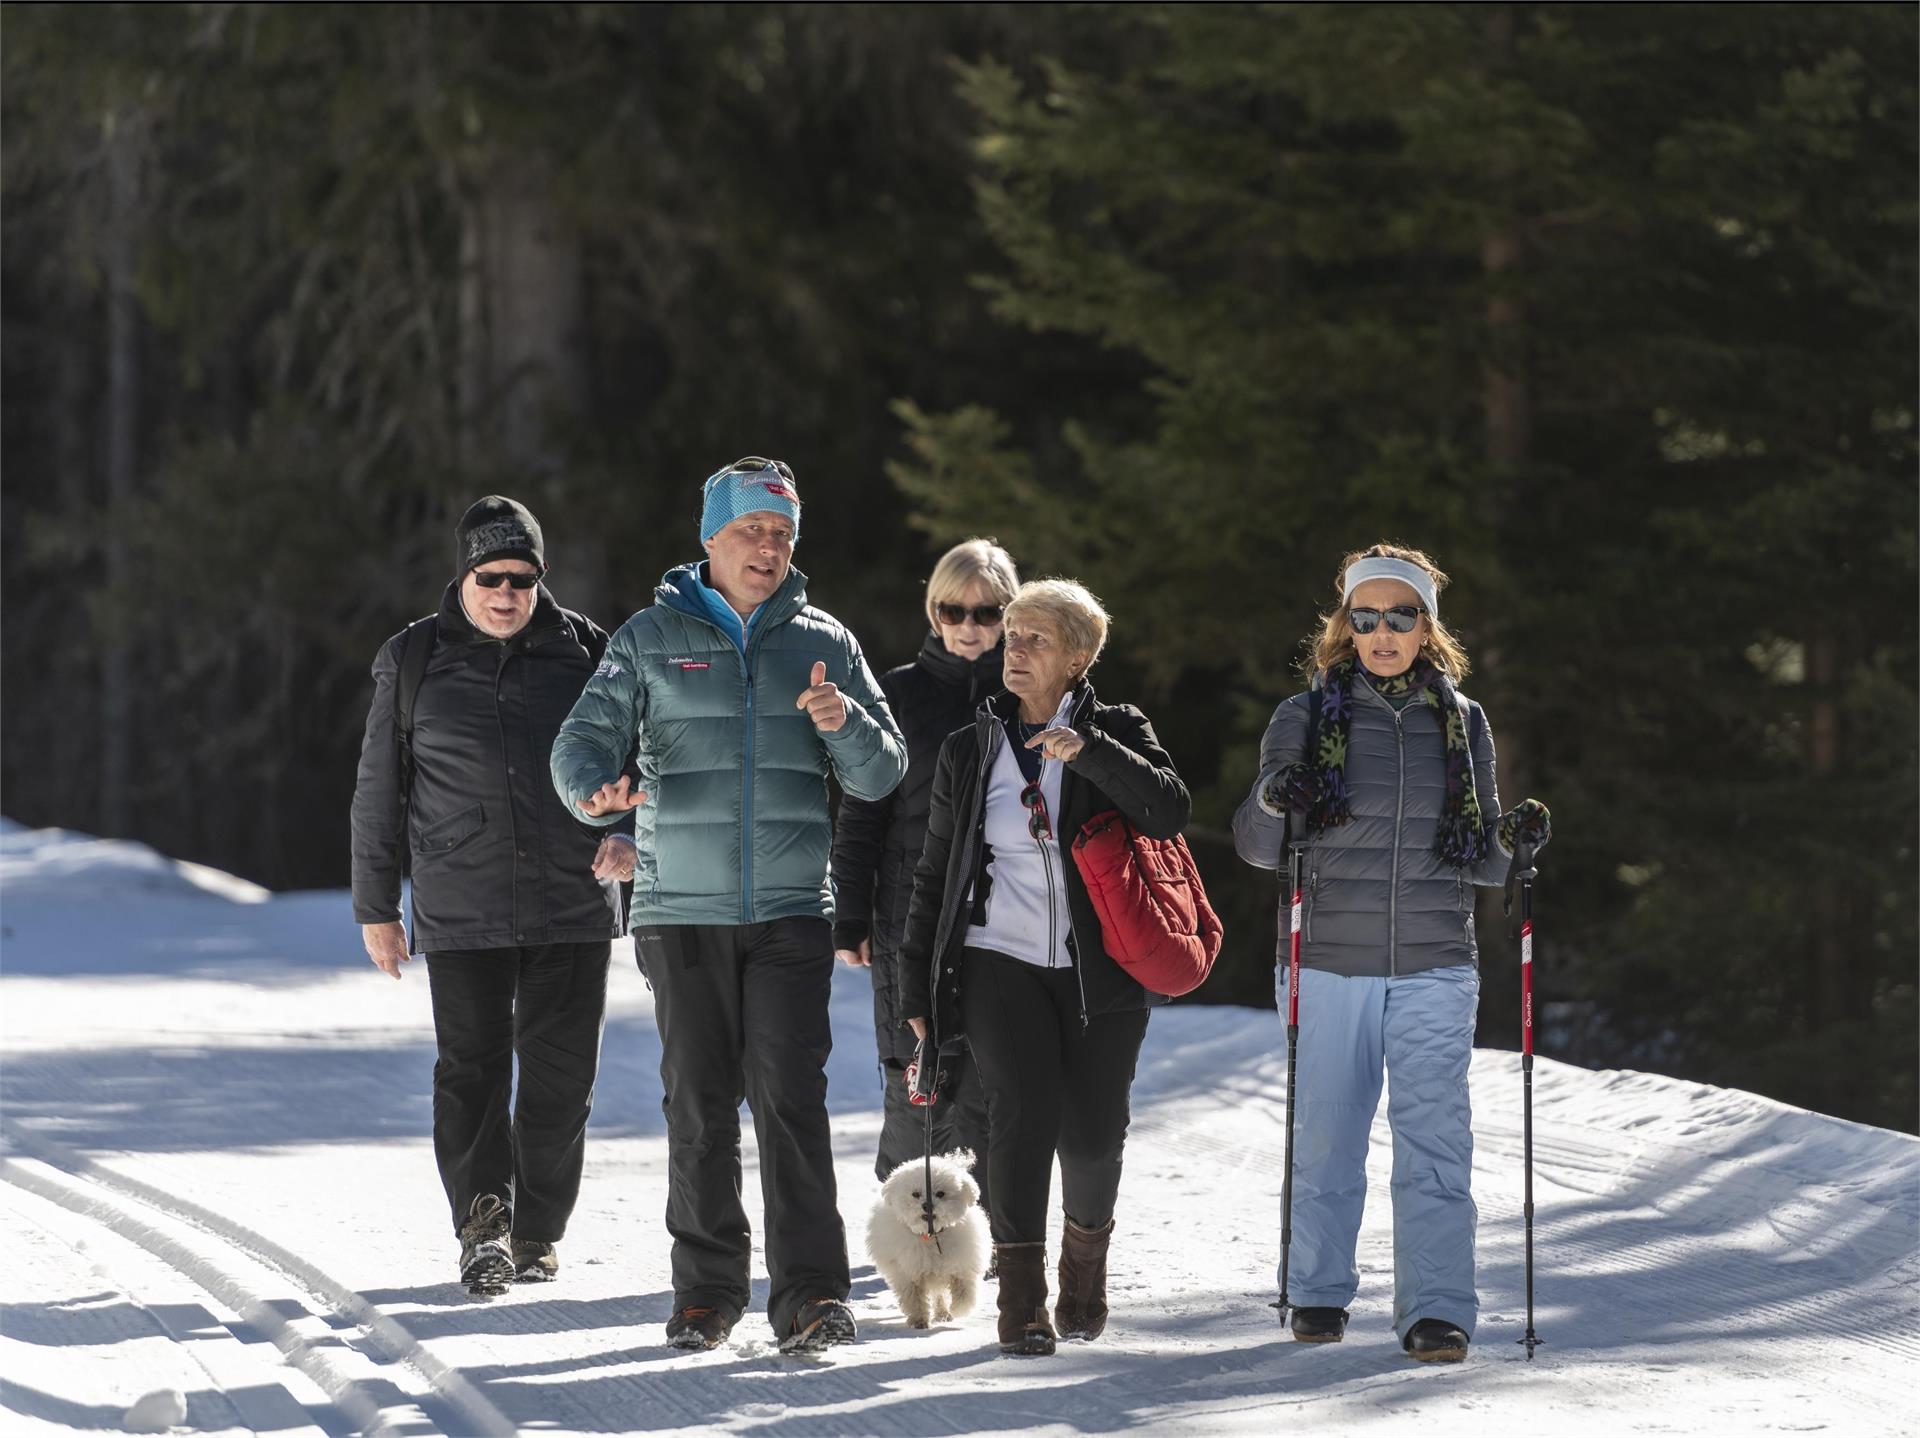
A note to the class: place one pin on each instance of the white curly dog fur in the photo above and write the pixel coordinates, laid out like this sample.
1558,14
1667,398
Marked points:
938,1278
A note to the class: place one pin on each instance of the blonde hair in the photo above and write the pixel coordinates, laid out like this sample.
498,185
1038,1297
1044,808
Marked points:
1067,606
971,559
1335,640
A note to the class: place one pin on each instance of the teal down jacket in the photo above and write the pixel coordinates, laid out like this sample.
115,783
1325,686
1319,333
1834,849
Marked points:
735,828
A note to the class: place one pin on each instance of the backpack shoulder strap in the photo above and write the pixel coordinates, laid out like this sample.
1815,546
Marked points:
415,650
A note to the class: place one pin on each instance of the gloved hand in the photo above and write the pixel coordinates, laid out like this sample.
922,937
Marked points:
1527,822
1295,787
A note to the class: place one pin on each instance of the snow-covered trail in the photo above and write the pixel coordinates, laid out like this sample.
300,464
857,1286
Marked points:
218,1175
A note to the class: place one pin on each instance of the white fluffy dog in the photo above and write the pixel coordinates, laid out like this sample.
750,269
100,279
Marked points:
935,1278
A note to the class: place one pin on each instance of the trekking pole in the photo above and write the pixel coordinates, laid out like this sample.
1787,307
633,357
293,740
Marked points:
1524,859
1293,1053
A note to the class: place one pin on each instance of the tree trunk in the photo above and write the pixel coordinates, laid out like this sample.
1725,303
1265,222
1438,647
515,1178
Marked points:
1832,992
125,136
524,367
70,745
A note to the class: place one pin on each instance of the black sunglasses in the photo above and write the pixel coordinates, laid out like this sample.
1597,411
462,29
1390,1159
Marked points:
494,578
985,615
1400,619
1038,823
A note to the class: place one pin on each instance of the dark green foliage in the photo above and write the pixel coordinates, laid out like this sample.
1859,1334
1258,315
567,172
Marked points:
1610,308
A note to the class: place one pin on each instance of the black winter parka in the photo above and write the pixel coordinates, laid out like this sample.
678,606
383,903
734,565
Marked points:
1122,767
497,860
876,842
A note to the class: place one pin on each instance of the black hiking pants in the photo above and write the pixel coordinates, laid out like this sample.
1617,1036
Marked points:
1053,1087
742,1012
544,1006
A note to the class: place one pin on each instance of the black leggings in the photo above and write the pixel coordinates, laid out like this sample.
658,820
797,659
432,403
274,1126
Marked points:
1053,1087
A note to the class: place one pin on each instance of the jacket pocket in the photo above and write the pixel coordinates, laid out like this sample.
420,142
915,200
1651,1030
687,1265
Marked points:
1460,898
450,833
1306,921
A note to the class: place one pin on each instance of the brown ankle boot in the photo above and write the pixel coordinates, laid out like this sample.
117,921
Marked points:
1082,1309
1024,1328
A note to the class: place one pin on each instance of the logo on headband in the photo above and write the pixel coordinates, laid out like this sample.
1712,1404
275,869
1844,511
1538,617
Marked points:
774,486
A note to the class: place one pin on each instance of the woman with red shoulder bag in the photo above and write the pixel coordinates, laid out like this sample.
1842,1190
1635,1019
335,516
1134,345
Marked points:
1003,945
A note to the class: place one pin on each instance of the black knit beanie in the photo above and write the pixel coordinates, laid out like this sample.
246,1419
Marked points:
497,528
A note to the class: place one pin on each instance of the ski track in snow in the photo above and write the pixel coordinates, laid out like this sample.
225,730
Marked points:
217,1178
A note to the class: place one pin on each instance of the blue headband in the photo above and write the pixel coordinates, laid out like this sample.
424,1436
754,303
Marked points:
746,487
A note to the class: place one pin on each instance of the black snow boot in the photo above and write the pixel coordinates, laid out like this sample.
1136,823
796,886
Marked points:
1434,1340
1318,1325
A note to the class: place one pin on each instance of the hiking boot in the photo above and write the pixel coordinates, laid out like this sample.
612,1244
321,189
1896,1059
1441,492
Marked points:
1434,1340
1024,1327
486,1260
1081,1311
1318,1325
698,1327
820,1323
534,1261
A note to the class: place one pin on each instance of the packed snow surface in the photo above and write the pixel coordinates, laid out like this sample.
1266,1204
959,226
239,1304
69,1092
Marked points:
219,1188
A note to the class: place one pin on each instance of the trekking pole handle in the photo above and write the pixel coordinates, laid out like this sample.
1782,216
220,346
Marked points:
1293,941
1523,861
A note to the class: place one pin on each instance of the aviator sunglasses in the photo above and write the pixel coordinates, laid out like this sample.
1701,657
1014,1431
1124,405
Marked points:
1038,823
985,615
1400,619
494,578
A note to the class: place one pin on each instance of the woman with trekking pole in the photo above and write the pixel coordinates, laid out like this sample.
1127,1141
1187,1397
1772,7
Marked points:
1382,775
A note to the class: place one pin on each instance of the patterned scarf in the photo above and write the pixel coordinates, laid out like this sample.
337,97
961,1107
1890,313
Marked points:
1462,837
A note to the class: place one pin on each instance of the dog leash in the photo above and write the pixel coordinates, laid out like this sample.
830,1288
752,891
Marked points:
926,1102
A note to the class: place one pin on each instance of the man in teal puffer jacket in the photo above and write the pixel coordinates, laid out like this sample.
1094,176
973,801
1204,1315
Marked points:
744,698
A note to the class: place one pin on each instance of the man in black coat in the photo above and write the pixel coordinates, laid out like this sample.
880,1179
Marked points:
516,903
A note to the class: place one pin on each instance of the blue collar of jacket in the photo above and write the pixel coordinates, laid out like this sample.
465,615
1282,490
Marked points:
686,589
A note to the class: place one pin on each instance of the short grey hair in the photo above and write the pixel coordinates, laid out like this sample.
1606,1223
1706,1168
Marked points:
1069,609
971,559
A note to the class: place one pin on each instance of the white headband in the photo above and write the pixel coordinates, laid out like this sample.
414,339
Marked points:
1361,570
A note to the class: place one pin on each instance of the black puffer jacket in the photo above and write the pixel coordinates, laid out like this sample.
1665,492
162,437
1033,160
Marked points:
1122,767
497,860
877,842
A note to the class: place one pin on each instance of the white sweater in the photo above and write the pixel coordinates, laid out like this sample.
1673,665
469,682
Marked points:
1027,915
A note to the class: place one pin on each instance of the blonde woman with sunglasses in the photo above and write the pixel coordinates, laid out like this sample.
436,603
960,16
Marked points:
876,842
1003,947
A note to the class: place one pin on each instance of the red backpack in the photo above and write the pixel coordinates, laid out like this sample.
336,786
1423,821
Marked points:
1154,913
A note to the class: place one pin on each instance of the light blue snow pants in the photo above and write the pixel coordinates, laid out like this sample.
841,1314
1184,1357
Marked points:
1421,1028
